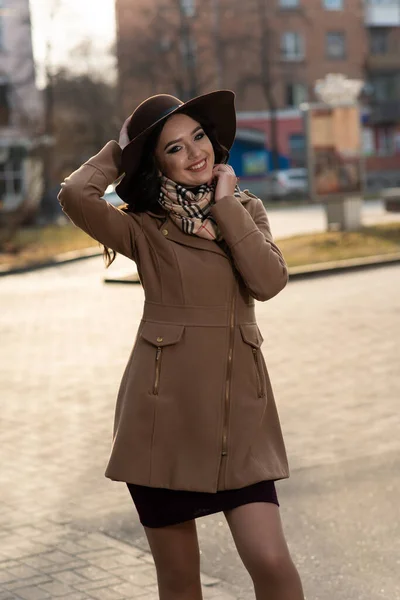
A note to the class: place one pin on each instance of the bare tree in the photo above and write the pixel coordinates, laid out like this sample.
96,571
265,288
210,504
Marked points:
86,117
169,50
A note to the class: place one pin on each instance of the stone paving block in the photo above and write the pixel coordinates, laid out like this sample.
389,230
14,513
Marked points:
32,593
37,561
130,559
92,573
77,596
73,563
136,576
148,558
71,547
217,595
87,586
57,557
70,577
91,555
28,532
23,572
106,593
6,576
130,590
109,563
30,582
56,588
118,545
8,564
20,552
93,542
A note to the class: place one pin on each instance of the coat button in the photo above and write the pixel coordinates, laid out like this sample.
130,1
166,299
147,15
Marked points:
165,231
160,339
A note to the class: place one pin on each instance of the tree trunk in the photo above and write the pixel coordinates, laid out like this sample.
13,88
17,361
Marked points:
266,52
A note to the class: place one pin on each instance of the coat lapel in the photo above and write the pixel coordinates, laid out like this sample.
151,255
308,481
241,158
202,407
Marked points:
171,231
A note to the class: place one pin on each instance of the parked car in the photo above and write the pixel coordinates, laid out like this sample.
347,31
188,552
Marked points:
112,197
291,182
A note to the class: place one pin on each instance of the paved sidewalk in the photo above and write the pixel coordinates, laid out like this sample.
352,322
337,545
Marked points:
332,349
48,560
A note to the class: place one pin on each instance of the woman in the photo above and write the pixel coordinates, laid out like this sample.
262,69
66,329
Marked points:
196,428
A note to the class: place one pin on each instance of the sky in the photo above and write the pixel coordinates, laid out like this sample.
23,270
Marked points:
74,21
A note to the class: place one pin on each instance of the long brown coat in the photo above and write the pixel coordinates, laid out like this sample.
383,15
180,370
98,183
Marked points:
195,409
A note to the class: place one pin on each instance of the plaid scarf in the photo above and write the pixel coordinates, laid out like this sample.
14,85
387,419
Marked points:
189,210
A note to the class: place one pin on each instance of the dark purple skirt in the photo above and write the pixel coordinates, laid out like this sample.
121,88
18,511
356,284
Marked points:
159,507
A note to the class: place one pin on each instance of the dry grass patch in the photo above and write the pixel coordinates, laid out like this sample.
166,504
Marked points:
35,245
339,245
39,244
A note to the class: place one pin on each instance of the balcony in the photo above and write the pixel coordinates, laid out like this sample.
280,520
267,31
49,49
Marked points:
384,14
387,61
384,113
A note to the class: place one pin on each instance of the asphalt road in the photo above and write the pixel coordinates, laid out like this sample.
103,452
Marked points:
332,348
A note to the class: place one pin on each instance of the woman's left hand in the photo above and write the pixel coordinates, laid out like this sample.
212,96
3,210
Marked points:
226,181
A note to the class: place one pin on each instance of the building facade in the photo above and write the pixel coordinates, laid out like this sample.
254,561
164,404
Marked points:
272,60
20,103
382,20
231,44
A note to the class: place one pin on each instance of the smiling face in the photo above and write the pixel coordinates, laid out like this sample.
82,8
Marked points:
184,153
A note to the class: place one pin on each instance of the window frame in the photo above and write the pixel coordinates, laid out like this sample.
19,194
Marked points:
2,44
294,57
373,36
330,56
325,4
296,86
289,4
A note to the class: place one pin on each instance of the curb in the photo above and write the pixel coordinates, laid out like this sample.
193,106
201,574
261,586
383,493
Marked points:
340,266
55,261
297,273
303,272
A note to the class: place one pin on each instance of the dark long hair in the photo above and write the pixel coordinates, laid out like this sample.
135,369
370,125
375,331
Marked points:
145,188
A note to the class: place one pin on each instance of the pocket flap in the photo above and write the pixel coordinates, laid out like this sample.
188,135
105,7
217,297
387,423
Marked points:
251,334
161,334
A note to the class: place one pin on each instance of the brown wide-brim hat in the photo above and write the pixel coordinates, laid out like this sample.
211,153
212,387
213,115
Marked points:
218,107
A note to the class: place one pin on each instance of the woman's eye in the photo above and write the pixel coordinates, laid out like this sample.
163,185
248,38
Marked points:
199,136
174,149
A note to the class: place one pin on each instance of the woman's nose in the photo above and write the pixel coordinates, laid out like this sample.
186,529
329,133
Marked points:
193,151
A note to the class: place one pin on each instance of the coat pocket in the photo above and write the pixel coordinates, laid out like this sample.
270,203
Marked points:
160,335
251,335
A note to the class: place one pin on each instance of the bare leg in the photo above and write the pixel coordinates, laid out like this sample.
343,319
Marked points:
176,554
258,535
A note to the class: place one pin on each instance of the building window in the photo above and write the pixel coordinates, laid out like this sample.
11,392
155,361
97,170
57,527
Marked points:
289,3
292,46
188,7
335,44
11,175
5,108
385,87
378,41
333,4
295,94
1,27
386,145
